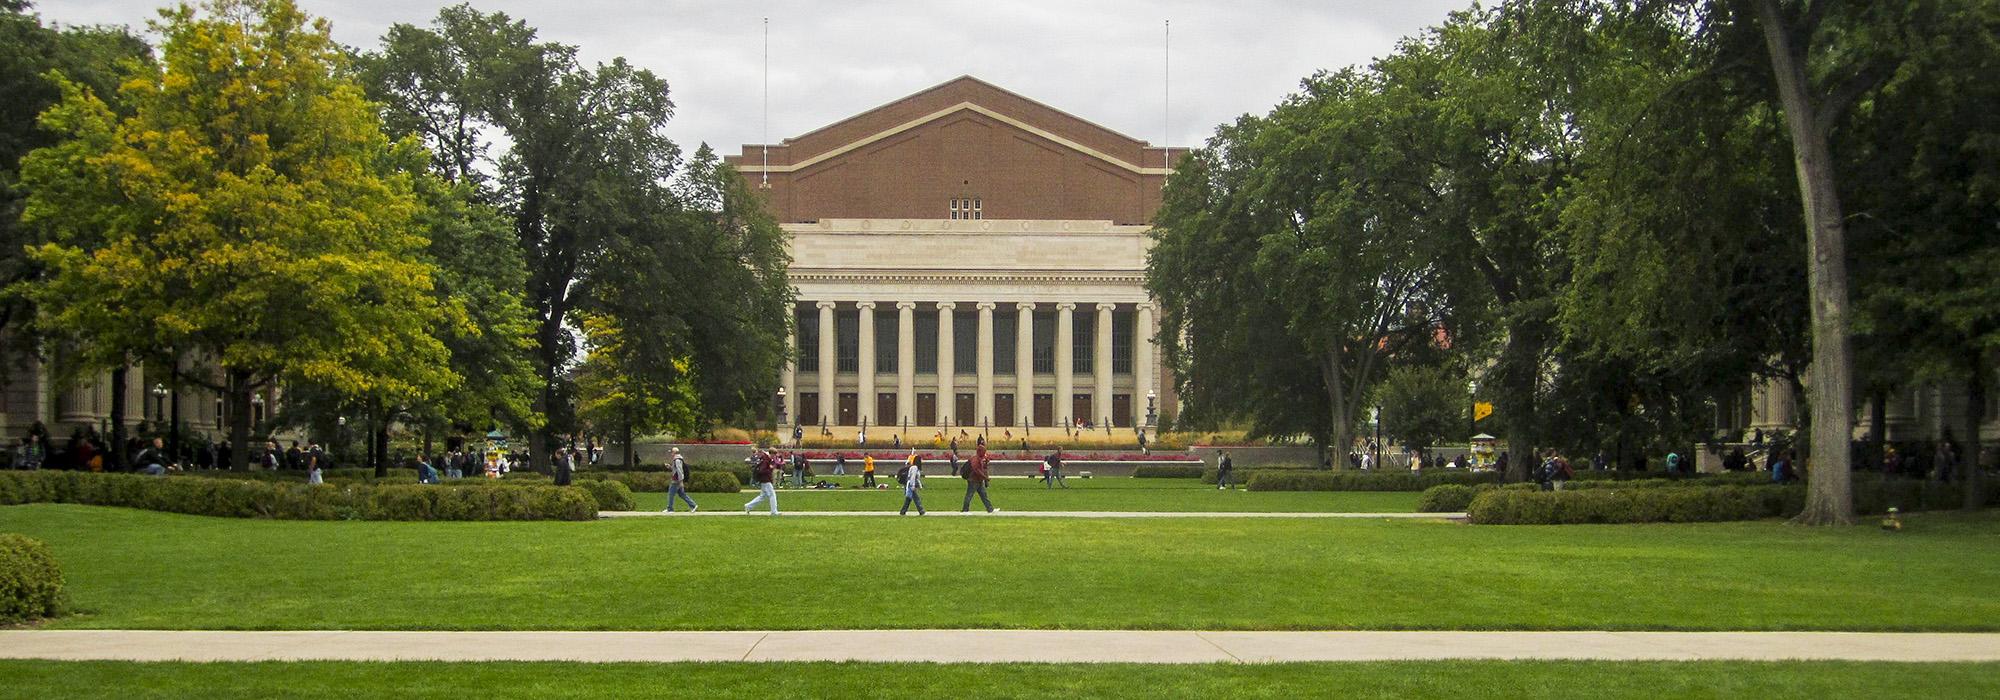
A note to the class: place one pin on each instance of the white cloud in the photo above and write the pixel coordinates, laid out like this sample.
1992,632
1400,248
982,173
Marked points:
830,60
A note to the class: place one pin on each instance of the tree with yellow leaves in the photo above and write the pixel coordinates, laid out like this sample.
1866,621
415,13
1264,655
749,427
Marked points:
248,211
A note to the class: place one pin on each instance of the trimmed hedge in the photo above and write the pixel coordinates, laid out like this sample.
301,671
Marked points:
234,498
655,482
610,495
31,585
1242,474
1348,480
1167,472
713,482
1652,504
740,469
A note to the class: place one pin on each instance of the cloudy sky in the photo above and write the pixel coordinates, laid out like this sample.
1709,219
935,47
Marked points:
1098,60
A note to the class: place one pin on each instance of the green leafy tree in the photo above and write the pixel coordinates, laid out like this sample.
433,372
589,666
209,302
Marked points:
1423,405
588,180
248,212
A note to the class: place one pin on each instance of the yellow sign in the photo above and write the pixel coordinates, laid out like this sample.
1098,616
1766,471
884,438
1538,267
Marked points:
1481,410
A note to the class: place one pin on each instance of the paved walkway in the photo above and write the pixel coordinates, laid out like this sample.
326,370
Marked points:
991,646
1024,514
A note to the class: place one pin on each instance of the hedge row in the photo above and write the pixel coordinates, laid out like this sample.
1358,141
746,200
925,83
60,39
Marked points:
1167,472
1522,506
606,498
656,482
31,585
1348,480
235,498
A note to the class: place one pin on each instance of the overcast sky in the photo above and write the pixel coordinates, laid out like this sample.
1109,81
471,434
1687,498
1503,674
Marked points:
1101,61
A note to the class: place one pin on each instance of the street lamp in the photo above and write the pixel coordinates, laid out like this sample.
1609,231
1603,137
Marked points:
339,434
779,411
1375,417
160,399
1152,417
256,412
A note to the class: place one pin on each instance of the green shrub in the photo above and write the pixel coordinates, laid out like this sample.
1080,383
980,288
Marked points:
610,495
713,482
1242,474
1176,471
740,469
1296,480
31,585
241,498
1445,498
655,482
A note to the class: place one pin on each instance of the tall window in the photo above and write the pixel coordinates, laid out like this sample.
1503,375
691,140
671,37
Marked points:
885,341
1003,343
1121,342
1084,331
963,208
1045,342
847,340
808,339
926,330
965,342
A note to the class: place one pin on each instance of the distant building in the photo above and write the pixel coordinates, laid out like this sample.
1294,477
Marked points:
966,256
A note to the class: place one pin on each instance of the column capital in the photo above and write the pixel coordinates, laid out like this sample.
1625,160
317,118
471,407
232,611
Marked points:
1107,307
987,306
906,305
1065,306
826,304
947,305
869,305
1146,306
1024,306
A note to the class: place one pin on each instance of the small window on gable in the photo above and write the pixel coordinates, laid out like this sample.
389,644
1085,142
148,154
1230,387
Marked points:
976,213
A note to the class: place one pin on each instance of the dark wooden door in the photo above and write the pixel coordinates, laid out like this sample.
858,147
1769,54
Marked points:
963,412
1080,409
1121,409
926,409
1045,410
809,408
850,409
885,410
1003,410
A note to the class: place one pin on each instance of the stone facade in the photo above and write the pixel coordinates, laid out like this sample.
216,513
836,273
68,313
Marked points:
967,256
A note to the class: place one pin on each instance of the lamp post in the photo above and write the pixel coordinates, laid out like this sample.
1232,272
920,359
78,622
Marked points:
160,402
256,413
1375,417
1152,416
778,410
340,433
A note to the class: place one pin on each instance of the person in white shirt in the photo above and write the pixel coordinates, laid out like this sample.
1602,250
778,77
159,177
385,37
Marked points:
677,470
913,481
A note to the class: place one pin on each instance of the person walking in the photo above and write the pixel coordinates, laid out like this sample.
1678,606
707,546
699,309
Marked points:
315,465
976,479
565,466
1225,472
913,481
1055,462
868,471
799,469
840,465
764,473
677,474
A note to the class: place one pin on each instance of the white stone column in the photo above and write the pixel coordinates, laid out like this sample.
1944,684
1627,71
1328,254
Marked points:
827,362
1024,361
1102,401
864,404
947,396
983,404
906,362
788,379
1065,361
1143,371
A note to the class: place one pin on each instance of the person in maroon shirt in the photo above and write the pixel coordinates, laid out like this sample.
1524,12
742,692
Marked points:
763,473
976,477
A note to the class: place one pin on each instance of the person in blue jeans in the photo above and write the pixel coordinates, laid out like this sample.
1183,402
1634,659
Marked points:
677,482
913,481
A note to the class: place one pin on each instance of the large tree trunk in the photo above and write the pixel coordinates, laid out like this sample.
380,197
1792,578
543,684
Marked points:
239,420
1341,430
120,461
1829,480
1975,416
381,440
631,454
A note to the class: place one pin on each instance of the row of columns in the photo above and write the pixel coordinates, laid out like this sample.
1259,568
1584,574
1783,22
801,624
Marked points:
1024,363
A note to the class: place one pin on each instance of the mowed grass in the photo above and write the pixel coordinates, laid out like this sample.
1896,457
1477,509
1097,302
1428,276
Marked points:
140,569
1019,494
1481,679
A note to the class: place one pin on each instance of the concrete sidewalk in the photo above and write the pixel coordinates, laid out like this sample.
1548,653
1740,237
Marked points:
940,513
1025,646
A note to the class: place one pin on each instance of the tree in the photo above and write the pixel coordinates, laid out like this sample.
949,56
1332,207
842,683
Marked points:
1423,405
248,211
587,179
1293,249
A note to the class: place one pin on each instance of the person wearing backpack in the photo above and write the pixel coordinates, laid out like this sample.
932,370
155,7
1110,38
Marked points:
763,473
1225,472
677,474
912,477
976,478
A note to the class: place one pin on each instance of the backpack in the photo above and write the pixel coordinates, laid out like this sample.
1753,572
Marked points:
903,476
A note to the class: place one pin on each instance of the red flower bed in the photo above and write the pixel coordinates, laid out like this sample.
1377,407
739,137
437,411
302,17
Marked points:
929,456
713,442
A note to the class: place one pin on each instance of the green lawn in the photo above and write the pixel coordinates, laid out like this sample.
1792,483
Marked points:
1113,494
139,569
1481,679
